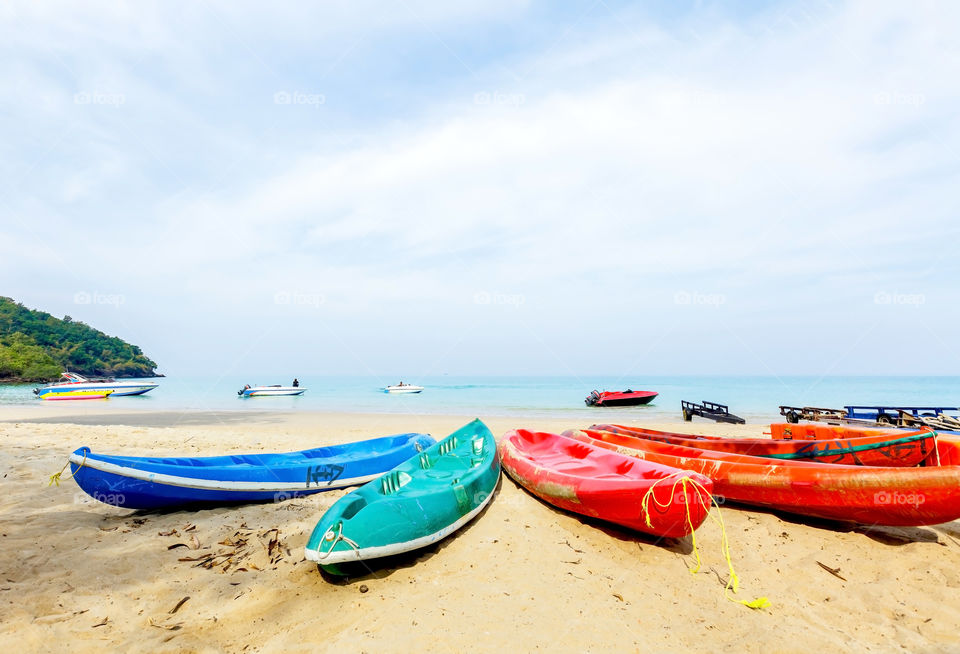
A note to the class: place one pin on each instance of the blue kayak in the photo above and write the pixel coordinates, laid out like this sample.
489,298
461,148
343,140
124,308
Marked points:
155,482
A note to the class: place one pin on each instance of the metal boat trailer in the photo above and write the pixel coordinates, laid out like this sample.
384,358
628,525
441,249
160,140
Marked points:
711,411
876,416
794,414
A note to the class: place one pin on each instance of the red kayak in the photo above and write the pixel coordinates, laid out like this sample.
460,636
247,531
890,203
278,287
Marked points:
595,482
884,448
868,495
619,398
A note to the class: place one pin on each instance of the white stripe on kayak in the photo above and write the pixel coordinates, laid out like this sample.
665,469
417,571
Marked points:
365,553
214,484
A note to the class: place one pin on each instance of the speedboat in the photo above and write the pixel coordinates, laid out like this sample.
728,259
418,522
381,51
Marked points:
269,391
403,388
74,386
619,398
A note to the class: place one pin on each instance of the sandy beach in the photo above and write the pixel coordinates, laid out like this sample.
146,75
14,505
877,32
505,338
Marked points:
523,576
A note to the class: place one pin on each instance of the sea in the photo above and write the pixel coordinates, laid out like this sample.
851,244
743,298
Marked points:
755,398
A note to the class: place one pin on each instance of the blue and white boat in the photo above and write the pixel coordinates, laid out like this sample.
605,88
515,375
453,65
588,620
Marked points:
403,388
270,391
157,482
73,384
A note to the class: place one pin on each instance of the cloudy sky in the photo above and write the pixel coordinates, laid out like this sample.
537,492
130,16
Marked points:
491,187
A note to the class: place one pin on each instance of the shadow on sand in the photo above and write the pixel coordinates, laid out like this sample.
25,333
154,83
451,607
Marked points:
880,533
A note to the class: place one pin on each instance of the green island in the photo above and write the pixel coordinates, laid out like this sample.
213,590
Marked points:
36,347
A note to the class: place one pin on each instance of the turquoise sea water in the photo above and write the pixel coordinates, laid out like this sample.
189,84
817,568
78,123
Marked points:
754,398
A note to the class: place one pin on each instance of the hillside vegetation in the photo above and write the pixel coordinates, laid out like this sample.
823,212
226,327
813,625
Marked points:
35,346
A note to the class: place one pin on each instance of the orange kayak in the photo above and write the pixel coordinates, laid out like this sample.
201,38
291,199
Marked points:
786,431
884,448
867,495
596,482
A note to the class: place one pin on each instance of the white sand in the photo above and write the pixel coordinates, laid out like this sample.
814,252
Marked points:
524,576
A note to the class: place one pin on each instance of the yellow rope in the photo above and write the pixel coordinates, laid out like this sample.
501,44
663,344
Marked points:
55,479
683,478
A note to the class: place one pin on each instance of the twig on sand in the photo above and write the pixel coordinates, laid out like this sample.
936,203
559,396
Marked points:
179,604
567,543
169,627
834,571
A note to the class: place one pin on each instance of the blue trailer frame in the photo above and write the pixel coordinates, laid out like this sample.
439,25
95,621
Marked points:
891,414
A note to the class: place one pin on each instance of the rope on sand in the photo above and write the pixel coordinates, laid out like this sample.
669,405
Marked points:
682,478
55,478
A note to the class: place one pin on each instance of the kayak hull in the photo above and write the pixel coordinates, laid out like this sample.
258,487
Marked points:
884,448
598,483
787,431
418,503
158,482
865,495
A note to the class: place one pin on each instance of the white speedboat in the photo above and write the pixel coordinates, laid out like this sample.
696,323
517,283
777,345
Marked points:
74,385
403,388
270,391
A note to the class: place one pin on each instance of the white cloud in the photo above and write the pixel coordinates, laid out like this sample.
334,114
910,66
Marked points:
796,155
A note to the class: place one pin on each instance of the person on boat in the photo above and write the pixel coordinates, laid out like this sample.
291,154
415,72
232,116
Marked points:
296,382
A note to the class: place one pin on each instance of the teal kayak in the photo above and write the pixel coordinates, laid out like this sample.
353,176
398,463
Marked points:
418,503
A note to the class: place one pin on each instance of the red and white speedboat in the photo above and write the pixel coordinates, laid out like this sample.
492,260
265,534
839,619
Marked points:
620,398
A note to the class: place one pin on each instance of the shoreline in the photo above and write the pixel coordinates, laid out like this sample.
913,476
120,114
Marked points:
56,413
44,411
523,575
757,401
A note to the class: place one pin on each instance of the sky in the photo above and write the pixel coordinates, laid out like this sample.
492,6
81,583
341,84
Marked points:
489,188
